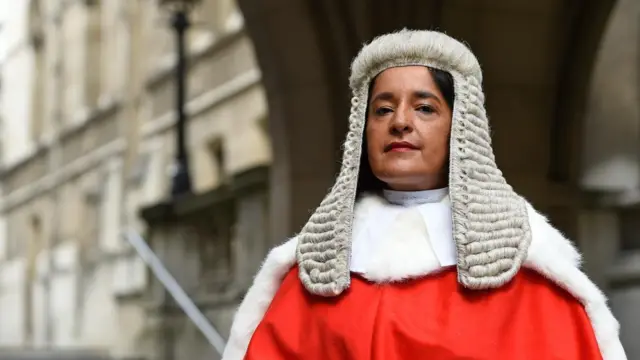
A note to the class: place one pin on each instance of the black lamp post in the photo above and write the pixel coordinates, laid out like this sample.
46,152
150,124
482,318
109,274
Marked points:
179,9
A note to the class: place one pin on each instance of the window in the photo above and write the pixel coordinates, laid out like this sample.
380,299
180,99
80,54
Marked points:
15,236
93,52
35,238
37,39
90,226
35,245
139,170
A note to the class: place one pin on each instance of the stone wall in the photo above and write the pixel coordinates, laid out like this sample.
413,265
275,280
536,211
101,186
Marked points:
88,141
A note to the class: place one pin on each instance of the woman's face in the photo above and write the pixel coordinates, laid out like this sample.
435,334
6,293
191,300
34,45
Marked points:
408,127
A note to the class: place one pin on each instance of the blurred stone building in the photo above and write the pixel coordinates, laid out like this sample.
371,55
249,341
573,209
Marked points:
87,99
88,115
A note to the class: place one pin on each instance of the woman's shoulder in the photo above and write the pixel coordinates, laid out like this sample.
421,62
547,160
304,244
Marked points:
554,256
546,240
265,285
283,254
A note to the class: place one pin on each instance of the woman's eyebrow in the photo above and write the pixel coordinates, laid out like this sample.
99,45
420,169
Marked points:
383,96
420,94
423,94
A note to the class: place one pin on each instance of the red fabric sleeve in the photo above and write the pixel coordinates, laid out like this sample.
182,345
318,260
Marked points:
430,318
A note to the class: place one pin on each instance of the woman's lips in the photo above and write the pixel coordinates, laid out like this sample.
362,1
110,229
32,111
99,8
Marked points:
400,146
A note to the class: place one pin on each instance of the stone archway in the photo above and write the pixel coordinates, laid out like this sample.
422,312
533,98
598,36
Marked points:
537,57
611,134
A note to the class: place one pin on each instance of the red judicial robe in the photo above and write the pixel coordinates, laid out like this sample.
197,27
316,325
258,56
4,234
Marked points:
403,304
427,318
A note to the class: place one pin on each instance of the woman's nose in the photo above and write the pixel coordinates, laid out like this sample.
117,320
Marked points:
401,123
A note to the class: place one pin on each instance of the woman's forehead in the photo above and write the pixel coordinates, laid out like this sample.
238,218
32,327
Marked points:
410,80
404,75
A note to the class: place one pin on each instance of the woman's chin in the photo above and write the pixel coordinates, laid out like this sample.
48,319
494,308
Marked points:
407,176
401,168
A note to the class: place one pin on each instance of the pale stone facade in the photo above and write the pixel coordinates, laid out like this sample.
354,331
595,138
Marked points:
87,124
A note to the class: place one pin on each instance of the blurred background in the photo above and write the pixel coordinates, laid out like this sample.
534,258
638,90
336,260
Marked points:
206,131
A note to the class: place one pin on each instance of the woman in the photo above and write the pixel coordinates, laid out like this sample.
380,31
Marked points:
418,250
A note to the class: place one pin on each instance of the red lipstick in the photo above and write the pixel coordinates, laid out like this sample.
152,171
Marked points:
400,146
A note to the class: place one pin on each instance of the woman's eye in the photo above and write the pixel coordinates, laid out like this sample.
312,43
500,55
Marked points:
425,109
383,111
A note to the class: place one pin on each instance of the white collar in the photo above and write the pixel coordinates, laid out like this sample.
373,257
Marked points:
412,198
389,233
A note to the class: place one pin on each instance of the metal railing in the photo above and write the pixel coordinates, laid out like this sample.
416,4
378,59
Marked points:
176,291
30,353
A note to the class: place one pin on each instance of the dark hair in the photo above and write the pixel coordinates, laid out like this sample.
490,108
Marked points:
367,181
444,82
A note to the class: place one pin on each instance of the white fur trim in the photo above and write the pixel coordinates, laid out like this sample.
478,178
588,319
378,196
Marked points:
255,304
363,210
551,254
554,256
